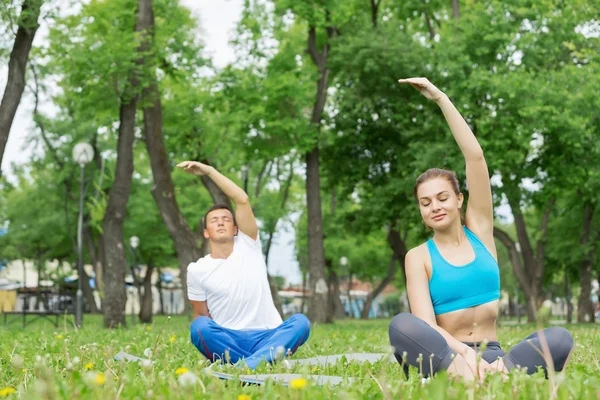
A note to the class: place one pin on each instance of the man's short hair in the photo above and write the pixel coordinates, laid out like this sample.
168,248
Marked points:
218,207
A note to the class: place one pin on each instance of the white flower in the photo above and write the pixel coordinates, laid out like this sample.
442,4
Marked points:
146,365
148,352
17,361
70,367
188,379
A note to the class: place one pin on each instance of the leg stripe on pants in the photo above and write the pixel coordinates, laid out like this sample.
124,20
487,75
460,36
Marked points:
208,353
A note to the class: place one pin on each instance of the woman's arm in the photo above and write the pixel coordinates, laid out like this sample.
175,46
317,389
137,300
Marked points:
480,209
466,362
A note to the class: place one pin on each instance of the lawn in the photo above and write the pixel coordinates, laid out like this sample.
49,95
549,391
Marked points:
42,362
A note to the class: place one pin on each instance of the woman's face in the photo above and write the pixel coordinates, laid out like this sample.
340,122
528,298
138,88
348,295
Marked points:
439,204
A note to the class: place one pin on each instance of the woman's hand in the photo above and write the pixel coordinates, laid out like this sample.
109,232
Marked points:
426,88
195,167
477,365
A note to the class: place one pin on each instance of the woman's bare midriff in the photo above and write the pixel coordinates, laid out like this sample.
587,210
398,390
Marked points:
471,324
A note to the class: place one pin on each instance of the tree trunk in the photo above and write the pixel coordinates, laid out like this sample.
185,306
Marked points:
336,308
364,314
267,249
528,265
585,309
114,248
455,9
317,308
146,297
399,251
88,293
303,305
163,189
374,11
160,293
17,65
568,298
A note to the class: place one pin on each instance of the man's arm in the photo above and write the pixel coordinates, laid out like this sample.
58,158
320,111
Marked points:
200,309
243,211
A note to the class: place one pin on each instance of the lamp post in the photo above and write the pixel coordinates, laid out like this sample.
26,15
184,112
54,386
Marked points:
518,248
134,242
83,153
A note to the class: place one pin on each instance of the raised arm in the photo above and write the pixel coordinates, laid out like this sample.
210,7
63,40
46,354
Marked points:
243,211
480,208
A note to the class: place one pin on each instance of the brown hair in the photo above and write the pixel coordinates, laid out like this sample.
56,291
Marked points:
433,173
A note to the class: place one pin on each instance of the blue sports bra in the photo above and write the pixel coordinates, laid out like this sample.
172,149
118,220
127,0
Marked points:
458,287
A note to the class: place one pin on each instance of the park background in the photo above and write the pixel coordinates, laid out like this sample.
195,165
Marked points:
297,102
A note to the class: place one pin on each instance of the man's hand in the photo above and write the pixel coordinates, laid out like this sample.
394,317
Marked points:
426,88
196,168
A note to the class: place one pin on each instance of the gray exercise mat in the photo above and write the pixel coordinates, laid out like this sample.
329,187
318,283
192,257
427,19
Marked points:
333,359
283,379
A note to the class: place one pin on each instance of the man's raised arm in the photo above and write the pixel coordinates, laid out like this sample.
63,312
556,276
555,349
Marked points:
243,211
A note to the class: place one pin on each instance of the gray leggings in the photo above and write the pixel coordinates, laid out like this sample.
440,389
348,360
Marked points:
415,337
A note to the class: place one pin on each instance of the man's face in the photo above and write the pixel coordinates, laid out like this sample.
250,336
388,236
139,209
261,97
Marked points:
219,226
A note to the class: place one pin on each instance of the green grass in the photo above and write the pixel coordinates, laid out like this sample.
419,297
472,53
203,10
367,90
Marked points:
48,368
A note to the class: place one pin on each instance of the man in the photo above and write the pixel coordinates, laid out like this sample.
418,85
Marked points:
234,315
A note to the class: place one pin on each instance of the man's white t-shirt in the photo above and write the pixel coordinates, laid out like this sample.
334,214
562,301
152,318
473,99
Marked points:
236,289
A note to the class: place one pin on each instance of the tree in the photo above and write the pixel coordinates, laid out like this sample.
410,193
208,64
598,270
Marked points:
17,66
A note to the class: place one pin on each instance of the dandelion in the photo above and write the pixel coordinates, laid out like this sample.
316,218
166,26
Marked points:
6,391
147,365
243,397
149,328
188,378
172,339
95,378
181,370
89,366
59,336
148,352
17,361
100,378
298,383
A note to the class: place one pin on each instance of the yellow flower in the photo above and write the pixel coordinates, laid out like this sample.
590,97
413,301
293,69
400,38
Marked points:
6,391
181,370
298,383
149,328
244,397
59,336
172,339
314,369
89,366
24,370
100,379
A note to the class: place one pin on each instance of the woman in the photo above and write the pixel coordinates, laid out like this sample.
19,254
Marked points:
453,280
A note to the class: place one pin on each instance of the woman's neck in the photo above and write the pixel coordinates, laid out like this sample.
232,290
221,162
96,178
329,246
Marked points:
452,235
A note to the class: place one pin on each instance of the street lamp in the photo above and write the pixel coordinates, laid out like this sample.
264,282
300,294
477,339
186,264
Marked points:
83,153
134,242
